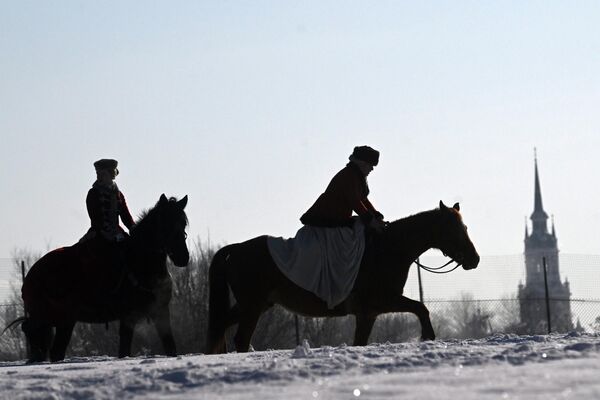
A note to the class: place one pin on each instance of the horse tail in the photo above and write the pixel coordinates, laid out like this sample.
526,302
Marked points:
19,320
218,302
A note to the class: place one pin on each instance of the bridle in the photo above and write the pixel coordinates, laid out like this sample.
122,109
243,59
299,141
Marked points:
436,270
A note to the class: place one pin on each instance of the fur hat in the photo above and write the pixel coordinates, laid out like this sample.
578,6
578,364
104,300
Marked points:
106,163
366,154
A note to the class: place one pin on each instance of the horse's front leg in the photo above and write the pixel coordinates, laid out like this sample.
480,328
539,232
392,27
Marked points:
61,340
404,304
162,322
126,328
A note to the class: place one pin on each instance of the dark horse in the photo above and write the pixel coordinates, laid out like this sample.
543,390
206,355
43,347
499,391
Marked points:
82,283
257,283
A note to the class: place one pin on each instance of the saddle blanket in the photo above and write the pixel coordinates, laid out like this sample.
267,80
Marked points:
324,261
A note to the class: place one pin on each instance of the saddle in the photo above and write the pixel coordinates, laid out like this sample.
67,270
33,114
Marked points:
95,268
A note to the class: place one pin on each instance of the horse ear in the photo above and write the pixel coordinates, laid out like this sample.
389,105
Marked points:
456,206
442,206
183,202
163,199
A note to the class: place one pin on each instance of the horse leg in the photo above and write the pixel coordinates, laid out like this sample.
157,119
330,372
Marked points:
404,304
216,332
216,341
162,322
39,335
364,325
218,303
248,320
126,327
61,340
233,316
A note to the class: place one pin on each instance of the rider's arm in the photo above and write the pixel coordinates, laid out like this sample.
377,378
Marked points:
360,204
124,212
355,195
371,208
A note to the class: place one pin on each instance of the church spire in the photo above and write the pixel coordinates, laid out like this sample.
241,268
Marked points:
538,192
539,217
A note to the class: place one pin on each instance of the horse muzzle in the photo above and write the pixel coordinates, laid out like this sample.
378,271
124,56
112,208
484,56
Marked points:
470,262
181,260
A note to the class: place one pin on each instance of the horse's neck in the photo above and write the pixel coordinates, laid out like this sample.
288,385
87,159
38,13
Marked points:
412,236
144,253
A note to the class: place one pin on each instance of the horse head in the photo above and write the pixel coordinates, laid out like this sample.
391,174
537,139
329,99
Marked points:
452,237
172,222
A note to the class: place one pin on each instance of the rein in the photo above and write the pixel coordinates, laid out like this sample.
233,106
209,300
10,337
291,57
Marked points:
436,270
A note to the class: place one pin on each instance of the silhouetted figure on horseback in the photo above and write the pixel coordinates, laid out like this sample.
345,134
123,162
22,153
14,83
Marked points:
105,240
106,203
347,192
108,275
326,253
329,269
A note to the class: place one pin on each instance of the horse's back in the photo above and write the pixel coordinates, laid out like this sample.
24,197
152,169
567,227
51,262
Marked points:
49,280
248,265
234,253
65,273
255,278
52,267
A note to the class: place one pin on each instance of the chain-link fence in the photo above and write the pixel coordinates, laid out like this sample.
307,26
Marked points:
493,297
10,280
462,304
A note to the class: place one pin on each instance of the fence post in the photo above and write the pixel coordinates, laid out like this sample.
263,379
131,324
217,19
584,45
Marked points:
547,296
27,347
297,330
420,283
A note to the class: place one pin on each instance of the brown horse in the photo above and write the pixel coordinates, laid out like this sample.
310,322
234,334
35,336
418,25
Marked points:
257,283
94,282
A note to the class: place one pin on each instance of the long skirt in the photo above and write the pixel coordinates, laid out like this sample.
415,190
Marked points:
324,261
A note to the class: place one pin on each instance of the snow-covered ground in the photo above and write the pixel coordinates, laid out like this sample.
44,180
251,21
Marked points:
497,367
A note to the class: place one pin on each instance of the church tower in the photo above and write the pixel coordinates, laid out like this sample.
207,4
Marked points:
542,244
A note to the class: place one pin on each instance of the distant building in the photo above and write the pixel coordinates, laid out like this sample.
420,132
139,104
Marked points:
542,244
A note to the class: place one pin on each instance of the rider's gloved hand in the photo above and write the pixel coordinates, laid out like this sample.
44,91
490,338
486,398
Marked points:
377,224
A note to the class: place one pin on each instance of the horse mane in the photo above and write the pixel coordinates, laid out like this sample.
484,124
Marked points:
423,215
419,220
148,215
411,219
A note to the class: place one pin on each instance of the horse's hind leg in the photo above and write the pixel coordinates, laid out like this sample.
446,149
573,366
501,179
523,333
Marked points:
39,335
126,328
364,326
233,316
216,341
216,332
61,340
162,322
248,319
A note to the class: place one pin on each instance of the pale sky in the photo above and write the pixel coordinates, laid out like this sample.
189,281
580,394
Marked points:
251,107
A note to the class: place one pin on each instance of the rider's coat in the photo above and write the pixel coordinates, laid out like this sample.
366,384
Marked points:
105,204
347,192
